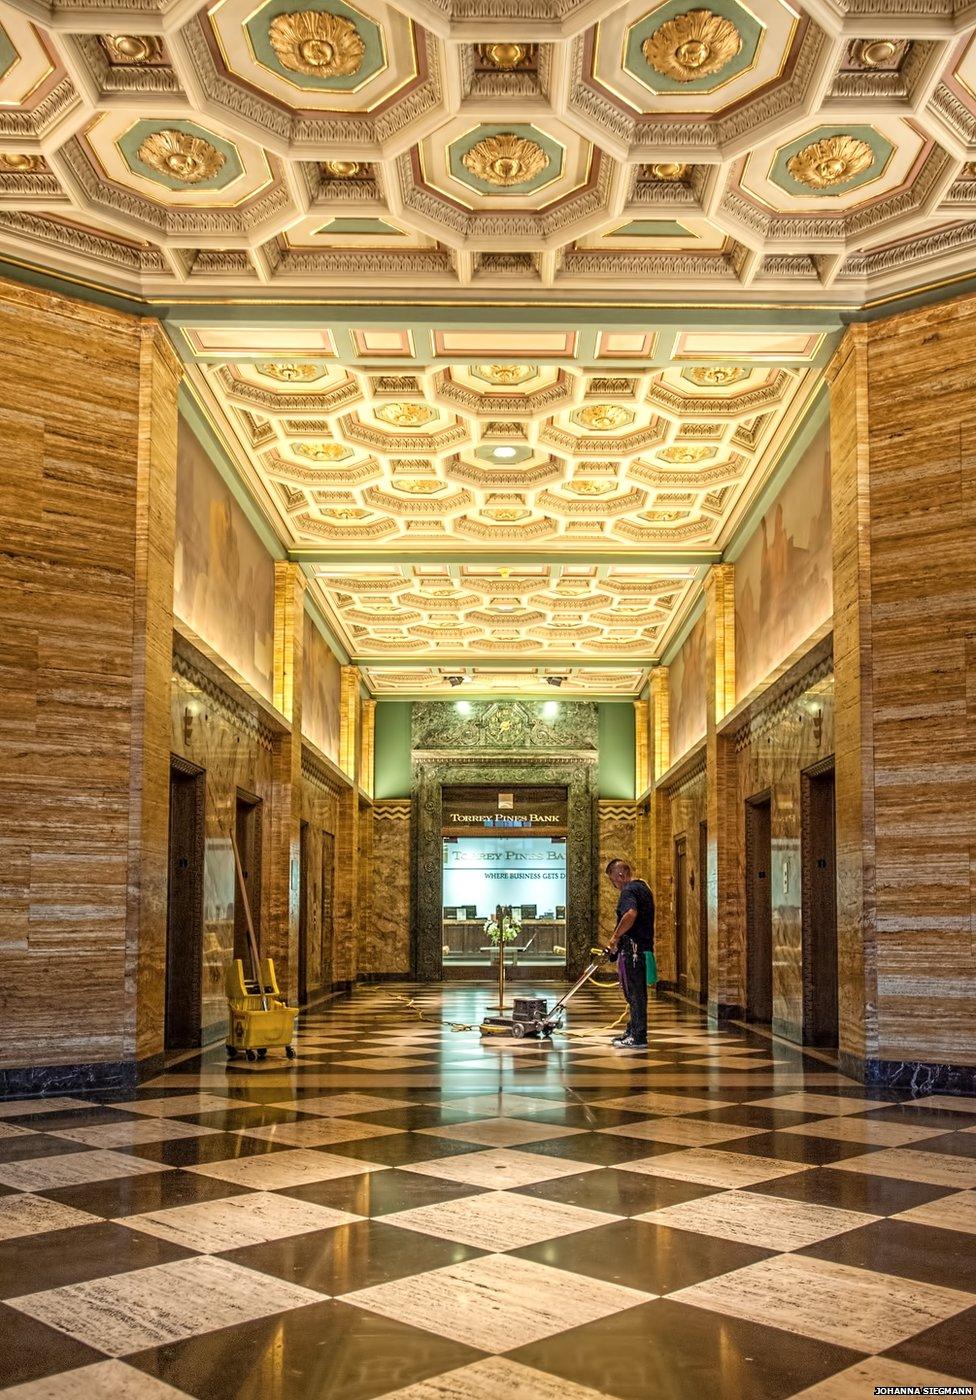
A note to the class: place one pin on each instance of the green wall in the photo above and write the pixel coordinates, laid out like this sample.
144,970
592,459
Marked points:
616,757
392,749
617,771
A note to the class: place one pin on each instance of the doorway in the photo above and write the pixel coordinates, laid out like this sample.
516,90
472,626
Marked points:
247,832
503,881
680,913
703,913
759,909
326,932
184,906
819,867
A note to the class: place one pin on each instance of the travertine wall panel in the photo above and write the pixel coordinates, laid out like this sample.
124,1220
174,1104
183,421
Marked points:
687,808
87,485
384,947
227,734
322,794
773,750
617,838
917,588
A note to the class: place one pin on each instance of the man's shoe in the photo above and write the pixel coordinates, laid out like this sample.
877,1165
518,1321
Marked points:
619,1040
627,1042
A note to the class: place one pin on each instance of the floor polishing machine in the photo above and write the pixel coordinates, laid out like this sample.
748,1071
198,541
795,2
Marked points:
532,1016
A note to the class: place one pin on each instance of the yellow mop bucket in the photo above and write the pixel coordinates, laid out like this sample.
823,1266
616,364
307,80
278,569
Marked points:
258,1018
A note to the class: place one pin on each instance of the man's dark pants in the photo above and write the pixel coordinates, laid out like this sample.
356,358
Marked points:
632,972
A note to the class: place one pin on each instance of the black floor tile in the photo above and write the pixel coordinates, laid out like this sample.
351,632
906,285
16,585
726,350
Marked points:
30,1350
23,1149
947,1349
797,1147
380,1193
617,1192
190,1152
943,1257
137,1195
637,1254
876,1195
670,1351
349,1257
60,1257
402,1149
604,1150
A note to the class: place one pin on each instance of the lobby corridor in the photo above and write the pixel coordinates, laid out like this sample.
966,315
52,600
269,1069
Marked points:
406,1211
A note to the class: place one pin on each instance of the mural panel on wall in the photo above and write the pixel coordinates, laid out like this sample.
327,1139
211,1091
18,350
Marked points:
783,578
223,586
686,682
320,692
505,725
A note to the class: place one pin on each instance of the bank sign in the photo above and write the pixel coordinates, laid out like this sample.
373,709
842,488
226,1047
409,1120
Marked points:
500,820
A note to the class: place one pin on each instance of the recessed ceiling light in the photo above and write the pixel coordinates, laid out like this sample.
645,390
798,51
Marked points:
505,453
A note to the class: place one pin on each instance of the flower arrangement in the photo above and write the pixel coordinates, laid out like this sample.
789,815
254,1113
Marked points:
503,926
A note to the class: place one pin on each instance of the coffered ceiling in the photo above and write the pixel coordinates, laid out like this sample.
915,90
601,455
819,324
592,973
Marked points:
491,148
512,498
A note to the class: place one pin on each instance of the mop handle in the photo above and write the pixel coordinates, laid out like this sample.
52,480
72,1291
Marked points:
252,942
574,989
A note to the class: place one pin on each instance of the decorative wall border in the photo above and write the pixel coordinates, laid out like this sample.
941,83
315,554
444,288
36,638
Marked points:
316,771
236,707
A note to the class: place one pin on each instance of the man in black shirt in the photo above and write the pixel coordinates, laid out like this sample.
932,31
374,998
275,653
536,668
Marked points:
632,938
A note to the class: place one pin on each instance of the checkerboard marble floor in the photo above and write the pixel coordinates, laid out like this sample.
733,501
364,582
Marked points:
407,1212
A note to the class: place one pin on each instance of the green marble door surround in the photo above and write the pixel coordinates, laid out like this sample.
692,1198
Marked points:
494,742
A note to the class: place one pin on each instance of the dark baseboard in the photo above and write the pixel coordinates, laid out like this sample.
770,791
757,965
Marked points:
918,1076
150,1066
726,1011
32,1081
344,986
385,977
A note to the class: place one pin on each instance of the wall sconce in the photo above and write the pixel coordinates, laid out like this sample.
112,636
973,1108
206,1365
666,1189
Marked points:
187,726
691,880
817,726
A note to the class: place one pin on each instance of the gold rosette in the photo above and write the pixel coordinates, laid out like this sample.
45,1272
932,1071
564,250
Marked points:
506,159
693,45
832,161
181,156
317,43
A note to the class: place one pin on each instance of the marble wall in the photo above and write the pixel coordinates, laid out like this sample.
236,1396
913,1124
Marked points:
232,737
783,577
320,692
87,498
687,808
905,584
223,576
385,945
617,839
323,795
788,731
686,679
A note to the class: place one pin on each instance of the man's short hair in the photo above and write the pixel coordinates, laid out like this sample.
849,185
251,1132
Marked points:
612,865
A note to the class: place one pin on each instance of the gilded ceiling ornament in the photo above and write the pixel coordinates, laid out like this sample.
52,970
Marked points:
671,171
686,454
506,159
345,513
716,376
420,486
505,374
181,156
505,513
505,56
345,169
875,53
290,372
693,45
405,415
585,487
969,171
22,165
831,161
129,50
321,451
317,43
603,417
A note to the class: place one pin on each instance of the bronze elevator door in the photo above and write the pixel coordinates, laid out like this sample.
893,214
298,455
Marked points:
681,914
248,835
819,909
184,908
759,910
